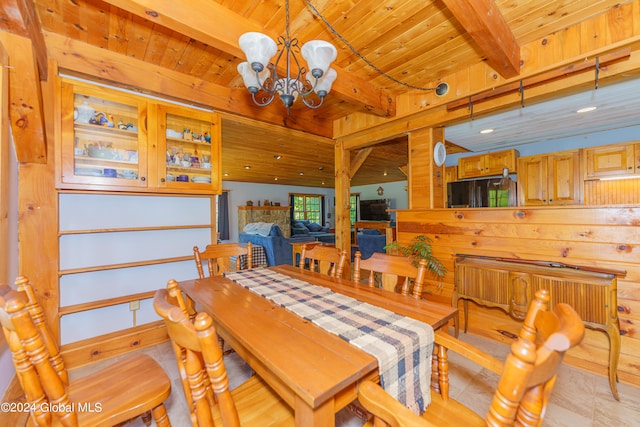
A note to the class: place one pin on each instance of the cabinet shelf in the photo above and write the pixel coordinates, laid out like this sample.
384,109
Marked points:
125,265
87,128
199,171
180,141
77,308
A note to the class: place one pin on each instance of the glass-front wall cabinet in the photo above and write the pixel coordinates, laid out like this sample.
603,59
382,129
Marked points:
190,158
110,140
103,137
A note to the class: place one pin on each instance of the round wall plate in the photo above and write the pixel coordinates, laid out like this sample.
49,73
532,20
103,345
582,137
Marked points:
439,154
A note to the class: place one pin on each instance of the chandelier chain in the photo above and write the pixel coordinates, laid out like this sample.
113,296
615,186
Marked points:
355,51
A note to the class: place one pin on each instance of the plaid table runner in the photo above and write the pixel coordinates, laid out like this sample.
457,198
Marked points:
259,257
402,345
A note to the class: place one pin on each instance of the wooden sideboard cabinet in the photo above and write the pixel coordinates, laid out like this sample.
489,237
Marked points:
510,286
489,164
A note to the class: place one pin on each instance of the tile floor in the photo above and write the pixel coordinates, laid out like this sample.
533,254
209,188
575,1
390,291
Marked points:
580,399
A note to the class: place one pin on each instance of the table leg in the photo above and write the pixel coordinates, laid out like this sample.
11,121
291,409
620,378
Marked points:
435,380
322,416
443,372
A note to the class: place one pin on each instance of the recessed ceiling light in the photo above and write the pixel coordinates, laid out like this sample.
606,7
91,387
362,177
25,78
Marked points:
247,167
321,168
277,157
483,131
226,174
322,182
585,109
275,179
300,173
385,173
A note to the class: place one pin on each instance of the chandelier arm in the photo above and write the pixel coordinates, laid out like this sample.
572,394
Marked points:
264,103
311,105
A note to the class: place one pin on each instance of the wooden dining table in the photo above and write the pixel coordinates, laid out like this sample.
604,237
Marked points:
315,372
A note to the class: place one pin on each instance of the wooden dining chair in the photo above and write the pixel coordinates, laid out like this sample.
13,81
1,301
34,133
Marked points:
323,259
527,375
204,377
217,257
395,273
134,386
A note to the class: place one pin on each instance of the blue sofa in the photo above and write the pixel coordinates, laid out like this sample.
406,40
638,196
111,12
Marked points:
277,248
370,241
304,227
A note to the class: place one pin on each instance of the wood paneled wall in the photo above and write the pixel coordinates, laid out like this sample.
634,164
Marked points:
595,237
623,191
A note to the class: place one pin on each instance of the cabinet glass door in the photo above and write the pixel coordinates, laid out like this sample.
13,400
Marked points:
102,143
191,152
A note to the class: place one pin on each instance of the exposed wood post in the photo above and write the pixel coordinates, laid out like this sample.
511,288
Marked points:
38,251
25,107
426,180
4,166
342,188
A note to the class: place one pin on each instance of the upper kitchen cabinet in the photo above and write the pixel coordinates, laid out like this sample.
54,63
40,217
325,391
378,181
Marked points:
612,160
113,141
550,179
489,164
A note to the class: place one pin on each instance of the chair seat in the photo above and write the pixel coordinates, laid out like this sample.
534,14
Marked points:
101,391
448,413
271,411
451,412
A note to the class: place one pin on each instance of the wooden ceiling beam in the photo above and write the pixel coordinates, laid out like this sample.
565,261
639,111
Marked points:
32,24
126,72
194,19
359,159
488,28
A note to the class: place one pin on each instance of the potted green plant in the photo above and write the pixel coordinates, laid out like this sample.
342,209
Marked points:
420,248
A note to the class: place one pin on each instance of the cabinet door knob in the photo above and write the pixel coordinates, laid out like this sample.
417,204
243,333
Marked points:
161,179
142,178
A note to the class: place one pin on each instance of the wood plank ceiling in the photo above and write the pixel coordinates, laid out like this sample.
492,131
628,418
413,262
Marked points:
187,44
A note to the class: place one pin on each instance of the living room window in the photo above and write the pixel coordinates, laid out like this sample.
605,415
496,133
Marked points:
353,211
308,206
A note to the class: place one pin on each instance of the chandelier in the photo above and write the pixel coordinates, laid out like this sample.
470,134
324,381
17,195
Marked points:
260,75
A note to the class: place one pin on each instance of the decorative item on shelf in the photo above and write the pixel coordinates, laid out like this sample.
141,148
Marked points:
83,113
195,162
186,134
132,127
276,204
129,174
121,125
249,202
173,134
111,173
207,137
261,75
182,178
102,120
267,203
